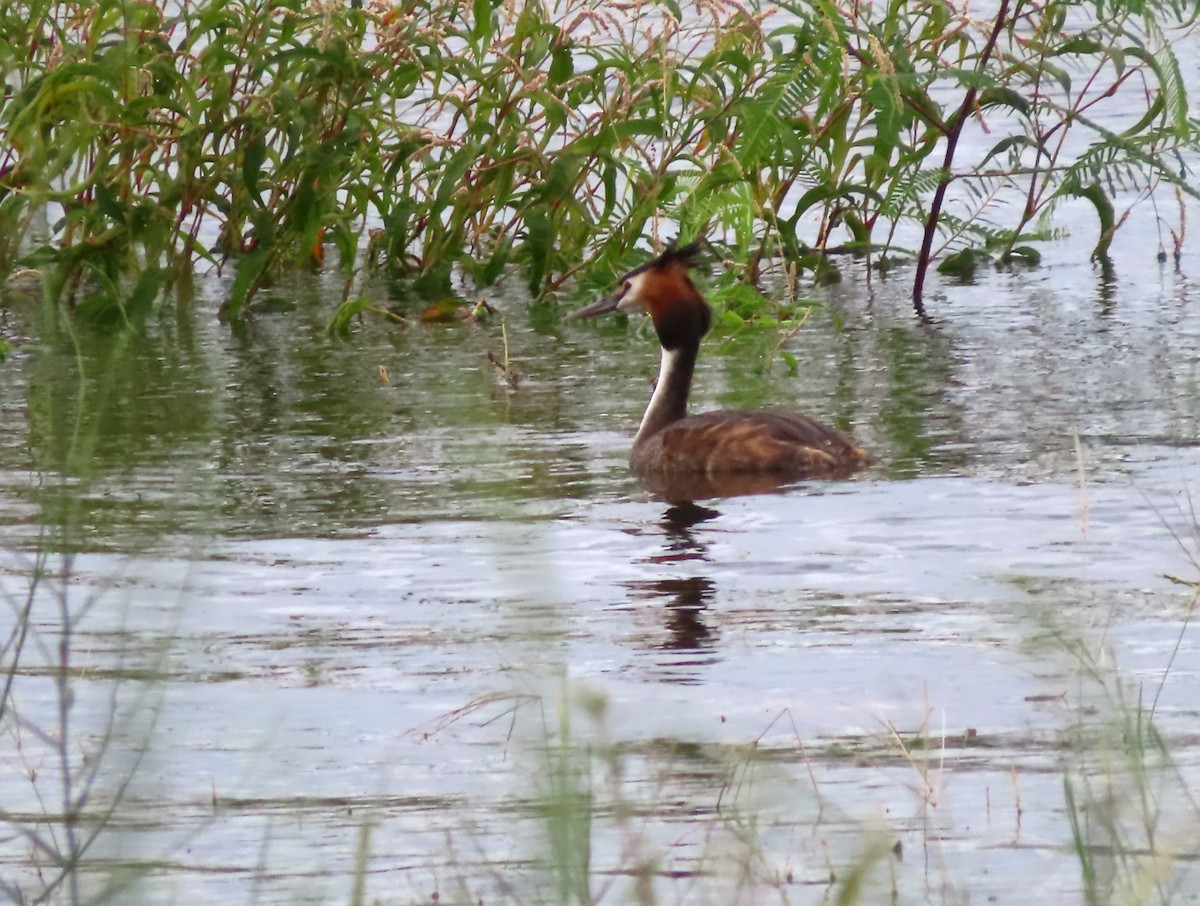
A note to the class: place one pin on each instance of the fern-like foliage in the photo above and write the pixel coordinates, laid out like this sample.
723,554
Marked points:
453,142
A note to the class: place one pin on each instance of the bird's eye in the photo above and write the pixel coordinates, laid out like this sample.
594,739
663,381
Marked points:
625,288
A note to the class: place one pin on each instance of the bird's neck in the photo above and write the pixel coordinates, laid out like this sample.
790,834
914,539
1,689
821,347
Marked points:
669,402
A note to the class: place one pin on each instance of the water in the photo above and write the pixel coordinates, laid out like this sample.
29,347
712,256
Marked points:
324,588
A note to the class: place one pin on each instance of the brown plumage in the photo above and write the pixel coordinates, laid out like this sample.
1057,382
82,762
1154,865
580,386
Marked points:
747,442
671,446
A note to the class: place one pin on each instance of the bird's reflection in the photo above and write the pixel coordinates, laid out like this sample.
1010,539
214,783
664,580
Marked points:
690,640
686,603
683,489
682,543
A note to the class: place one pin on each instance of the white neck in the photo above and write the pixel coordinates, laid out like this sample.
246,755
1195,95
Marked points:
668,403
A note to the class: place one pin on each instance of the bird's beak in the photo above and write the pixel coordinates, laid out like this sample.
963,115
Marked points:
602,307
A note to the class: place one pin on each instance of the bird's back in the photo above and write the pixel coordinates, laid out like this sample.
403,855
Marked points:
747,443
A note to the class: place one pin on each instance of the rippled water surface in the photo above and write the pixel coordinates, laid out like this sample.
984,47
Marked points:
356,612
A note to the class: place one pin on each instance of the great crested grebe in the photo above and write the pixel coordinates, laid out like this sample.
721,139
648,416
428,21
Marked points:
767,448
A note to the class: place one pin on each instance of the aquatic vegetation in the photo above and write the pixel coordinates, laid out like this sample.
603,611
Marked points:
624,821
427,140
1130,799
1131,806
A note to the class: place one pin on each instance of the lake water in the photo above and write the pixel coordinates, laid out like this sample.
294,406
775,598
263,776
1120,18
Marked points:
356,618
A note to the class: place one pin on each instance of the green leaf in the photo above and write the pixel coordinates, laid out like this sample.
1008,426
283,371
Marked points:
539,237
487,271
145,292
560,181
339,323
964,263
730,320
1024,254
562,65
1081,45
1002,96
250,269
254,153
615,135
1165,66
482,14
824,193
1104,211
1012,141
1153,112
434,280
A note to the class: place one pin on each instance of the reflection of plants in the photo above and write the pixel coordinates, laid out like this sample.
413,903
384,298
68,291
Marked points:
568,803
70,753
66,755
437,138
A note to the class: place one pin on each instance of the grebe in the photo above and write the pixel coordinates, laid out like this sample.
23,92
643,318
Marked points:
716,451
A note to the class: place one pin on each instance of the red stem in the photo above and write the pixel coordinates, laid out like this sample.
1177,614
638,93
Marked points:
952,136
